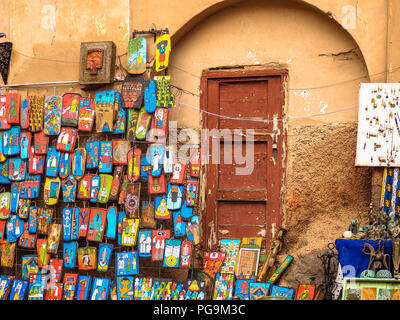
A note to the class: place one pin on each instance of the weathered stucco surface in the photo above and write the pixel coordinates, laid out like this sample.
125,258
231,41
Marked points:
324,190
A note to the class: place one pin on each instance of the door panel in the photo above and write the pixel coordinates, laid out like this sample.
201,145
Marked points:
243,205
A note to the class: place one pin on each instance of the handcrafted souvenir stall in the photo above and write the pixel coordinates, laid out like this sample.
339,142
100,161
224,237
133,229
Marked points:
369,251
96,205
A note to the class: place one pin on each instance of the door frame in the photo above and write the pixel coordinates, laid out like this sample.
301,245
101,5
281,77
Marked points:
276,193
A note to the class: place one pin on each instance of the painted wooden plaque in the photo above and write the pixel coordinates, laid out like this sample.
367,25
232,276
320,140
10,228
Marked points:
52,188
53,291
27,240
25,144
143,124
14,197
231,247
54,237
133,116
105,188
5,286
2,155
136,57
70,281
165,98
33,219
193,230
120,121
69,189
121,216
94,188
41,250
65,165
116,182
52,162
4,125
163,49
150,99
279,291
56,269
105,159
172,253
123,189
161,209
144,243
23,208
86,114
78,161
18,290
97,222
5,202
125,288
70,109
87,258
157,154
157,185
147,215
126,263
4,172
69,254
174,198
36,112
7,254
186,212
24,116
129,233
52,115
158,244
35,162
195,162
212,262
17,169
104,256
104,106
68,219
13,103
191,193
100,289
132,91
134,158
93,154
66,140
84,214
159,126
186,253
179,224
120,149
11,142
83,287
179,171
37,286
84,187
45,216
132,199
111,222
247,263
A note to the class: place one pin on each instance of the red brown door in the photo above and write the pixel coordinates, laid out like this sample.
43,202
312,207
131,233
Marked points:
243,205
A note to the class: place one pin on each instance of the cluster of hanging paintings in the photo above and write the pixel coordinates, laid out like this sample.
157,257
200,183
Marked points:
234,271
75,204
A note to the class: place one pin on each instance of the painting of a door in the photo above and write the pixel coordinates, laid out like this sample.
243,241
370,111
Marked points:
246,205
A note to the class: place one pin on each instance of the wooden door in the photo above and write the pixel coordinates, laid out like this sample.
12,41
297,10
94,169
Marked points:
247,205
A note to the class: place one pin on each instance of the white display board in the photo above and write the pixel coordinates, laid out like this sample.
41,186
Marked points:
378,136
